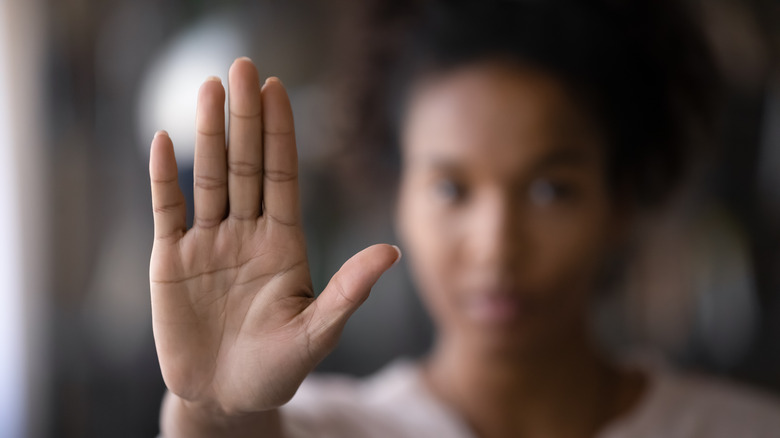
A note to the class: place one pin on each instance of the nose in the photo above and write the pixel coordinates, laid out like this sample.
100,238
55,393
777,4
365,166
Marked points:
496,234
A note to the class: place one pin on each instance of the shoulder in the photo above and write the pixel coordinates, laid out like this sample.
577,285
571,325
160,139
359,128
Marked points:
685,405
391,403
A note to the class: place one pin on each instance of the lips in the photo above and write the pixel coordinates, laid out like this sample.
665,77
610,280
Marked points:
497,308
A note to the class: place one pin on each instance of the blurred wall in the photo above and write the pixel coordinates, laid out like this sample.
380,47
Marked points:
24,224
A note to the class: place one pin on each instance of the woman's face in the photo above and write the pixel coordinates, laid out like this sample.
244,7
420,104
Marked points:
503,208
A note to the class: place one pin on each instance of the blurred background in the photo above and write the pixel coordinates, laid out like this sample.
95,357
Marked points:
84,84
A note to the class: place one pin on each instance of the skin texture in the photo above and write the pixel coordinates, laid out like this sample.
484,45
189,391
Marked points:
235,321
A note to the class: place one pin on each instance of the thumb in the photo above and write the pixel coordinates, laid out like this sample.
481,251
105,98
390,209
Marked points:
348,289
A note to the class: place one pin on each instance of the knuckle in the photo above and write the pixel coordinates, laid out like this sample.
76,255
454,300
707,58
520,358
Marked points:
338,284
206,182
165,181
279,131
244,168
219,132
168,208
287,222
245,114
280,176
207,222
171,236
244,215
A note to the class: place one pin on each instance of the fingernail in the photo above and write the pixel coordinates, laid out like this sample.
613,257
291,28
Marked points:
398,259
214,78
161,132
273,79
244,58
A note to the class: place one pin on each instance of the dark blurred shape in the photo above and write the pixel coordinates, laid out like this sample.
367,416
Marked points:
656,82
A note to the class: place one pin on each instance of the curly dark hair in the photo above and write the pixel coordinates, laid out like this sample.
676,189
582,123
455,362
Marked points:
641,66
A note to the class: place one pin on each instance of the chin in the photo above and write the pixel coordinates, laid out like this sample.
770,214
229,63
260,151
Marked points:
506,340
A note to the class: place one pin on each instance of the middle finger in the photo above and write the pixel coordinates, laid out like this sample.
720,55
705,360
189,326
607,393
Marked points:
245,153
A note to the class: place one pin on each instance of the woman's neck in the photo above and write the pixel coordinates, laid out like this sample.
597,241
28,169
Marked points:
568,390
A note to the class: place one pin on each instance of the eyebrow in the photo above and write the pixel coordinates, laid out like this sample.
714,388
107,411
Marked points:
564,157
560,157
443,164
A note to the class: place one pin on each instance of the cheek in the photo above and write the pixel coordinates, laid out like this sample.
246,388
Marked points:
570,252
434,253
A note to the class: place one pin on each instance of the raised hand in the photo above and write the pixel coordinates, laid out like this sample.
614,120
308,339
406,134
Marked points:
236,323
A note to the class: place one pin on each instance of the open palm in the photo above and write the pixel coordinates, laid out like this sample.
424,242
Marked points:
235,320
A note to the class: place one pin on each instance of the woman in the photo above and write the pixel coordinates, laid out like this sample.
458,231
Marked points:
525,155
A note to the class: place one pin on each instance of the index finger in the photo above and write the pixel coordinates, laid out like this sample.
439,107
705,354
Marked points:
167,199
280,163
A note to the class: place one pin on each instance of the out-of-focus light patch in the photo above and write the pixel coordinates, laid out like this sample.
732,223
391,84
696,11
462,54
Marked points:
723,277
12,348
169,88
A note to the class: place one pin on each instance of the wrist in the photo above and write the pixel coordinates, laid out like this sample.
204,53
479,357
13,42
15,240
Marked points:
182,418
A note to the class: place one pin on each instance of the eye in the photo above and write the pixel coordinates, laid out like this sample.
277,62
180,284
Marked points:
546,192
449,191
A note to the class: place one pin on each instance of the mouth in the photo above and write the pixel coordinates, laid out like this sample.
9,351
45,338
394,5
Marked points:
498,308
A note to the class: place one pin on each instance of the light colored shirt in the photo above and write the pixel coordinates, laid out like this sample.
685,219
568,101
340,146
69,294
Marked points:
396,403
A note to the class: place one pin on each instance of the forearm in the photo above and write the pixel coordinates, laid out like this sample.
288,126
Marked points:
178,420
